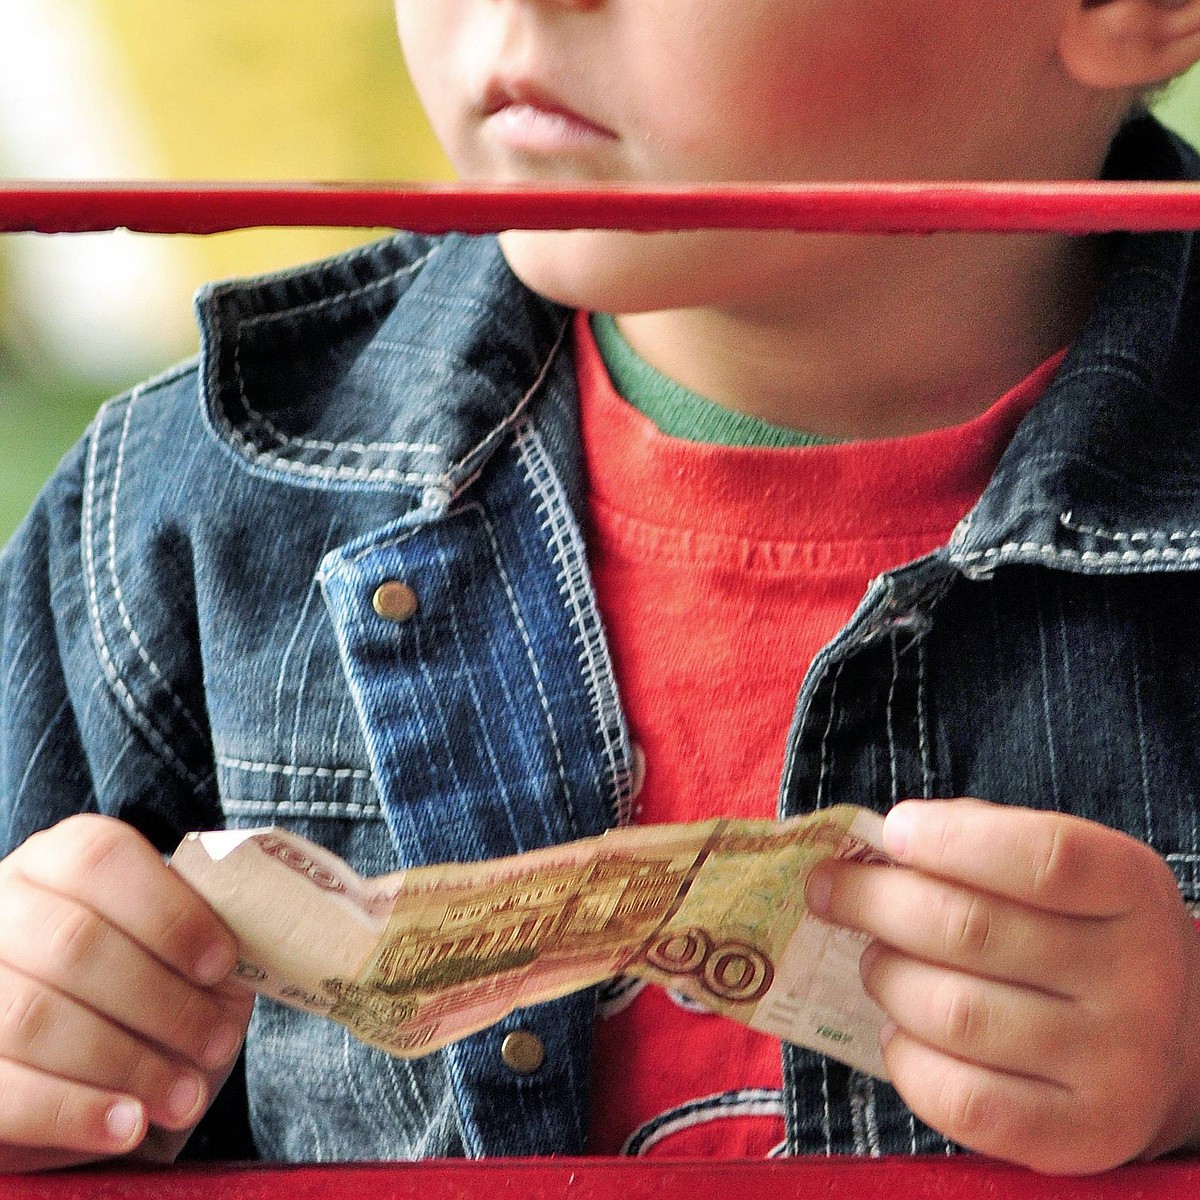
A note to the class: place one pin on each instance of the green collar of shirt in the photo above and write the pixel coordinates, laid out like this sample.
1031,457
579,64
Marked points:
677,411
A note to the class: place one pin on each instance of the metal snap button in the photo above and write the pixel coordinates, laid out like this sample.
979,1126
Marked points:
523,1052
395,601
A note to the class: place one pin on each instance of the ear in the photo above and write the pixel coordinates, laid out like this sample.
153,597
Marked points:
1129,43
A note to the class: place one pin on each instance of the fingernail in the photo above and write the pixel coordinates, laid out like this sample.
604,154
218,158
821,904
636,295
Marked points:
213,965
886,1032
897,830
867,959
222,1045
123,1121
818,891
184,1097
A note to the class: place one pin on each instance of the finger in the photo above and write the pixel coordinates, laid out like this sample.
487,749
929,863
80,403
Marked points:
41,1111
108,866
942,923
53,1033
1004,1116
71,949
163,1145
1010,1029
1048,860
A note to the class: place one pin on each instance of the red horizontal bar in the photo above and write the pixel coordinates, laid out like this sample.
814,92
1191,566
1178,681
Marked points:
439,208
963,1178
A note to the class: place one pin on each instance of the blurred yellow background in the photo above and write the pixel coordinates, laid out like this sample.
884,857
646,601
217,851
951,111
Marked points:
219,89
303,90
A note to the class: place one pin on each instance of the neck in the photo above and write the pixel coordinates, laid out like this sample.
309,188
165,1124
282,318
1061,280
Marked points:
899,336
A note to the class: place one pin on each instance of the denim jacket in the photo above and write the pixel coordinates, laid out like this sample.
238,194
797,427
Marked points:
188,639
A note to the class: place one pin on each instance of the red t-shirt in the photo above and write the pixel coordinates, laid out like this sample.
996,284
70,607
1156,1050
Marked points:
720,572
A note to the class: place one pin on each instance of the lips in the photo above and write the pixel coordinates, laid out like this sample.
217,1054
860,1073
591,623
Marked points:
527,118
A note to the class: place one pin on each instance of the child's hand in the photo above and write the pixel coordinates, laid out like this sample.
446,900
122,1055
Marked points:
115,1031
1042,975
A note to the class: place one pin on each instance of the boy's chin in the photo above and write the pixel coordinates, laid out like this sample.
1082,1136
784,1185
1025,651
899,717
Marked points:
614,272
604,271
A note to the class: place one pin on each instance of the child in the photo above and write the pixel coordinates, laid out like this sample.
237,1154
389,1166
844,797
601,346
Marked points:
334,577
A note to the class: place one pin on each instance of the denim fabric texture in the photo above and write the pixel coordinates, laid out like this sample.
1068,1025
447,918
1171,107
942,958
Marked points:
187,639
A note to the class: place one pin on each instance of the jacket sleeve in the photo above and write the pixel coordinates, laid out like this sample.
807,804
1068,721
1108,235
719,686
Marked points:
44,773
76,735
68,744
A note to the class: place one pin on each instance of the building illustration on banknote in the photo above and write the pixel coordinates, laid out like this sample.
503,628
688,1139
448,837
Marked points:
414,960
569,918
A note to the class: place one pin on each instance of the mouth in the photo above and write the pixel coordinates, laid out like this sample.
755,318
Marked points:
524,119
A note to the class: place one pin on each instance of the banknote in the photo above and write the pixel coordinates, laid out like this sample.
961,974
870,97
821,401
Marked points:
416,959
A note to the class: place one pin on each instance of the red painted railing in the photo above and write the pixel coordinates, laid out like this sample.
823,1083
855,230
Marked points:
822,207
962,1178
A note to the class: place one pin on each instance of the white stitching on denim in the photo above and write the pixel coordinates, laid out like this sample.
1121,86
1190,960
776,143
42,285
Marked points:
791,1114
873,1143
170,375
118,594
864,1121
118,685
444,480
1137,535
858,1132
313,306
927,773
891,722
314,471
347,809
827,1117
236,287
336,298
349,447
527,641
301,772
566,548
837,674
375,547
1154,554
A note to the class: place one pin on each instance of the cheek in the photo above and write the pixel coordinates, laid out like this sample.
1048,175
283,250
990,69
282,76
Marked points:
430,37
786,97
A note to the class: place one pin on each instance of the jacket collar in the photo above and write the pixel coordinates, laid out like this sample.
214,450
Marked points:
1102,475
399,366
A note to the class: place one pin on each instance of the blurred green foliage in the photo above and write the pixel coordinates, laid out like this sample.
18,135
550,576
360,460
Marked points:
40,418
